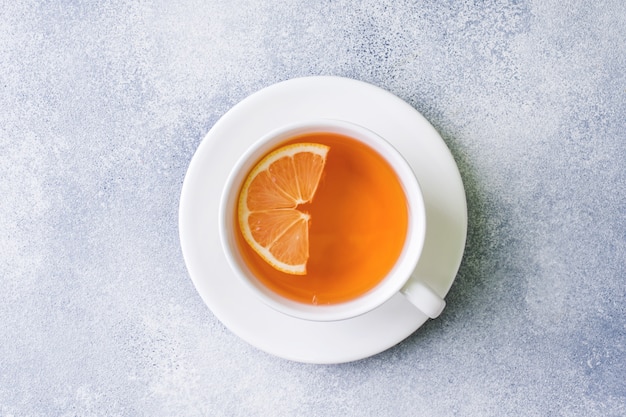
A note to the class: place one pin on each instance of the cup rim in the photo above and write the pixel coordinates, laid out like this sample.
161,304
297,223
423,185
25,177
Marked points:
391,284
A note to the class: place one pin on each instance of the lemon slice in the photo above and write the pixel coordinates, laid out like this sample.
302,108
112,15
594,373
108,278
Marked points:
267,211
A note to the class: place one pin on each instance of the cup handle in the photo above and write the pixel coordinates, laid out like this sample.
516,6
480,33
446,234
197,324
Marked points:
424,298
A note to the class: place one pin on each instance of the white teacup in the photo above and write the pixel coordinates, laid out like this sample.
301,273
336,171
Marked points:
399,277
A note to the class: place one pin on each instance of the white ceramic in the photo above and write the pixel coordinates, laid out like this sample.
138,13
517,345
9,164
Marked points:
317,98
423,297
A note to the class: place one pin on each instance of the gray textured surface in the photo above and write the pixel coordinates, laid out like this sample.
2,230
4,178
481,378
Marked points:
103,105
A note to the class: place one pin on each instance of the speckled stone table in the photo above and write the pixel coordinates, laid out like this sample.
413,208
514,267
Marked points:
103,105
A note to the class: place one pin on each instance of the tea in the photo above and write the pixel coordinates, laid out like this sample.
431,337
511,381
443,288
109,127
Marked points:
357,228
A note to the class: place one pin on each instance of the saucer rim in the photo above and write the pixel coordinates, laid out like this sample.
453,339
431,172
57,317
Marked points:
278,98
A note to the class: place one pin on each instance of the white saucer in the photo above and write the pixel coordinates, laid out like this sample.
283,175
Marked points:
305,99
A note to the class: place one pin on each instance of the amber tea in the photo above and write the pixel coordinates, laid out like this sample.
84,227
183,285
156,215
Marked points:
355,223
